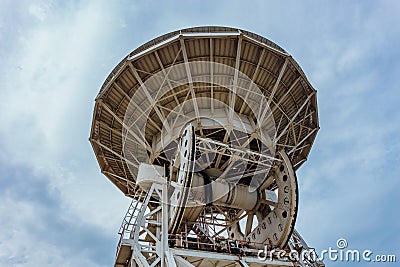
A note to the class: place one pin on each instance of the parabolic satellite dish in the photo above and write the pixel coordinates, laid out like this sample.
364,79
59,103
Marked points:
221,118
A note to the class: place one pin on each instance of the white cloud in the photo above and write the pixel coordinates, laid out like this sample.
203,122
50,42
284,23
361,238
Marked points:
39,10
62,53
47,93
19,246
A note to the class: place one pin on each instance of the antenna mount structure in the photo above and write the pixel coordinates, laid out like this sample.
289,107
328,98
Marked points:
205,128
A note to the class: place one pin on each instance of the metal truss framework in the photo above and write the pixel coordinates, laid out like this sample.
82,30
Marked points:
292,109
291,97
143,242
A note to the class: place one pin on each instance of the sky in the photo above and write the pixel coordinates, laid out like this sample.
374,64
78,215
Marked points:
57,209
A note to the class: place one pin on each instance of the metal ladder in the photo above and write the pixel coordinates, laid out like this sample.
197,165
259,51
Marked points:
130,219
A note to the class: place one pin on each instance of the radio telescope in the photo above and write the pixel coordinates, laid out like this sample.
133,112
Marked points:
204,128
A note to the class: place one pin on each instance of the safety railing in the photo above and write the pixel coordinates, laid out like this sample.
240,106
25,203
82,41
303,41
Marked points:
218,244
